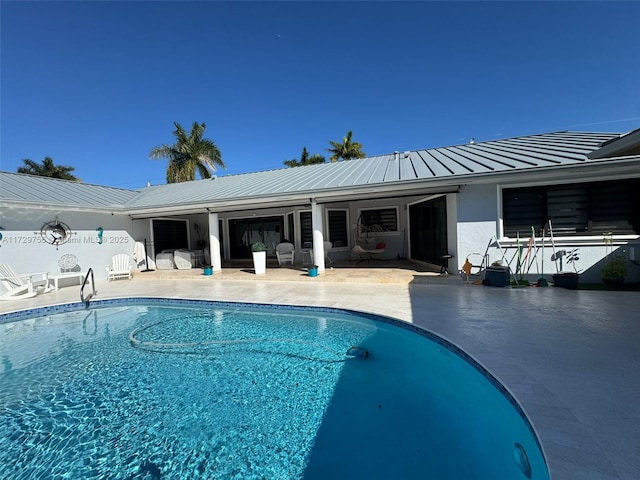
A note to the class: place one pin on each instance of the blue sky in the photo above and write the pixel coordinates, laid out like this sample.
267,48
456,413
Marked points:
96,85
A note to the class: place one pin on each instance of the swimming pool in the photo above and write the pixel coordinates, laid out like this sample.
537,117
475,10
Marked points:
152,388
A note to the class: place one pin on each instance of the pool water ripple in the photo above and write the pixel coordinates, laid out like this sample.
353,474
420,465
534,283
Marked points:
281,401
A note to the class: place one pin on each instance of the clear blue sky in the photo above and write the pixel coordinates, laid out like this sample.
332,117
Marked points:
96,85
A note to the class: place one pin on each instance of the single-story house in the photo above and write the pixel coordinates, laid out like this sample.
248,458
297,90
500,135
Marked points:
464,201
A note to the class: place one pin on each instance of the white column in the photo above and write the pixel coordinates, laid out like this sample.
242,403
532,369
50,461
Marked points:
318,239
214,242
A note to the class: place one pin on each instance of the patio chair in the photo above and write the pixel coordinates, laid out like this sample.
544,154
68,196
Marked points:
120,267
327,248
16,286
367,253
285,253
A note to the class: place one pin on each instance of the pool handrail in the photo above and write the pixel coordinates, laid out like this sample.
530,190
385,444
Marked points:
93,285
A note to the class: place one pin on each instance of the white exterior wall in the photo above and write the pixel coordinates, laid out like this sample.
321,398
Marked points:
479,221
23,248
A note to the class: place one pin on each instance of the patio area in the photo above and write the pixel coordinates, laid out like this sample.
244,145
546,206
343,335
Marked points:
570,357
375,271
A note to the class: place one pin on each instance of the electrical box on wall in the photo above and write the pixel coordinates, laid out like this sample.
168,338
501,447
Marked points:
633,254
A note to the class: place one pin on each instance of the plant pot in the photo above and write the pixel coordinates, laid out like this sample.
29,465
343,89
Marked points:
259,262
313,271
207,270
567,280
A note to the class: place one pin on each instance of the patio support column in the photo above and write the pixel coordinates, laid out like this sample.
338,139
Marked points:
318,240
214,242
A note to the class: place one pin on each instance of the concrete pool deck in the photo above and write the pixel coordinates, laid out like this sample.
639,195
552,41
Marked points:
572,358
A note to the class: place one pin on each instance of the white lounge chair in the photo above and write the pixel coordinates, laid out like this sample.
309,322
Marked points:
184,259
285,253
120,267
16,286
164,260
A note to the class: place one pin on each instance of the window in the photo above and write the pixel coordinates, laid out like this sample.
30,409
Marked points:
306,229
169,235
338,228
577,209
292,230
387,218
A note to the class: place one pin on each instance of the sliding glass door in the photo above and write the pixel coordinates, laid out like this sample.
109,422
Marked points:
428,221
245,231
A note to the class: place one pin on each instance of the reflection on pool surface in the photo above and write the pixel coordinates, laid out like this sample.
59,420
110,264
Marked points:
147,388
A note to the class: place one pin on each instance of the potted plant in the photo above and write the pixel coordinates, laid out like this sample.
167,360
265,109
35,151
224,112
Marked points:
259,253
615,269
566,279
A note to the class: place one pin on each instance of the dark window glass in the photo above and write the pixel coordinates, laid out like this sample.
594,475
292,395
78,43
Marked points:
387,218
169,235
578,209
523,208
567,209
292,232
338,229
306,229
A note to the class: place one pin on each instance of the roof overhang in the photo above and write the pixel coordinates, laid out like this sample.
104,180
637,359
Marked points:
590,170
11,204
625,145
400,189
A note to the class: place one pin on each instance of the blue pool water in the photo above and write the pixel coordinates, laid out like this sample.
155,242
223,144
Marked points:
150,389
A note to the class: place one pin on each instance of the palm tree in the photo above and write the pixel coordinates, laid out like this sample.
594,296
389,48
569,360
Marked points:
305,159
191,152
48,169
346,150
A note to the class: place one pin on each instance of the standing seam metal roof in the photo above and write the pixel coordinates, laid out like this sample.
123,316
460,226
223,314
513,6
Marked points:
444,163
18,187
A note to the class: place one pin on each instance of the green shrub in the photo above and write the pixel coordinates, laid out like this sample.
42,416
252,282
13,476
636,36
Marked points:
616,267
258,247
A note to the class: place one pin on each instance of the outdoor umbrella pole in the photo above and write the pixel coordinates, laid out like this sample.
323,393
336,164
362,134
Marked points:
146,258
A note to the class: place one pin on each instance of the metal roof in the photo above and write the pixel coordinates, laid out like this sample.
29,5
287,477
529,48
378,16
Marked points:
545,150
444,166
31,189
